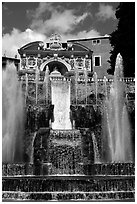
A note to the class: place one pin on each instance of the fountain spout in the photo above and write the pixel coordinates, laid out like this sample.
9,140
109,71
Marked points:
12,116
119,136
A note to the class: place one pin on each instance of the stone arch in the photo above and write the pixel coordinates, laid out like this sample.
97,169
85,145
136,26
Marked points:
61,65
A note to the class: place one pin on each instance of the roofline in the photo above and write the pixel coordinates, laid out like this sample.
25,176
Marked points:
31,43
90,38
10,58
83,46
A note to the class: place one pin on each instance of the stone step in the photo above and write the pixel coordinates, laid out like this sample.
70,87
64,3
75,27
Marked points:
68,183
65,134
89,169
69,196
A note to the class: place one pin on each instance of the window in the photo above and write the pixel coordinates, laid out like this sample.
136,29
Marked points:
98,41
95,42
97,61
47,45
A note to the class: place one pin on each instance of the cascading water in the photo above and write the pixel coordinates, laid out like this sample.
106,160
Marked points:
46,83
12,116
37,82
96,151
76,83
105,86
86,81
65,152
32,147
26,92
118,127
96,85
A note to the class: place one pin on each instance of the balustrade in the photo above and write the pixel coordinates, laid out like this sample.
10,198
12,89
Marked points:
82,96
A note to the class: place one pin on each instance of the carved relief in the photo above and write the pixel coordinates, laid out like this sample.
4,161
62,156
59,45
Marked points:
39,62
23,63
72,63
79,62
88,64
32,61
55,42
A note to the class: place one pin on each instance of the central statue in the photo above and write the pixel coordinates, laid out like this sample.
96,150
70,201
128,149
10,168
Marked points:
60,94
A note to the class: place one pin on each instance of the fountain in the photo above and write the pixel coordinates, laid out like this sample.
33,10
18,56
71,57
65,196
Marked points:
117,122
60,87
96,152
46,84
65,152
86,82
37,83
76,83
12,116
96,86
26,91
88,161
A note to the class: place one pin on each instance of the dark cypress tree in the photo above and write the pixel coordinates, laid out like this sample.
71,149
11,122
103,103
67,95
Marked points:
122,39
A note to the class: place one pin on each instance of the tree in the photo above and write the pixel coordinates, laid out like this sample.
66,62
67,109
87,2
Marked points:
122,39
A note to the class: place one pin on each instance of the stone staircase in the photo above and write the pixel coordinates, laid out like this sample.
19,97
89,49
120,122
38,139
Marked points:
110,182
64,171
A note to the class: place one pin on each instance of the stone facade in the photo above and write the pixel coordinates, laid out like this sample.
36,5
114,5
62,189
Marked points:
91,54
101,51
63,56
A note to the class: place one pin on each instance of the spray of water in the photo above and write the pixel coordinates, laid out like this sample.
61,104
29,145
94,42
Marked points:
76,83
32,147
96,85
86,82
65,152
46,83
12,116
37,82
105,86
26,91
96,150
119,137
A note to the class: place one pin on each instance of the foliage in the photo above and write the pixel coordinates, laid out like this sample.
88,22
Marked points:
123,39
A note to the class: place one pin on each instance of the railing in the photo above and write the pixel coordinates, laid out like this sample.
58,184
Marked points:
93,93
32,77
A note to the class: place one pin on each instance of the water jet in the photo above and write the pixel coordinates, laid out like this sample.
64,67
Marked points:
67,144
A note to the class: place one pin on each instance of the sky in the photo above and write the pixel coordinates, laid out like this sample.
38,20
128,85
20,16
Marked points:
25,22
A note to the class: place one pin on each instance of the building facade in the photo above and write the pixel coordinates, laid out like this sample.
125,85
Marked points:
90,54
68,57
65,57
101,53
